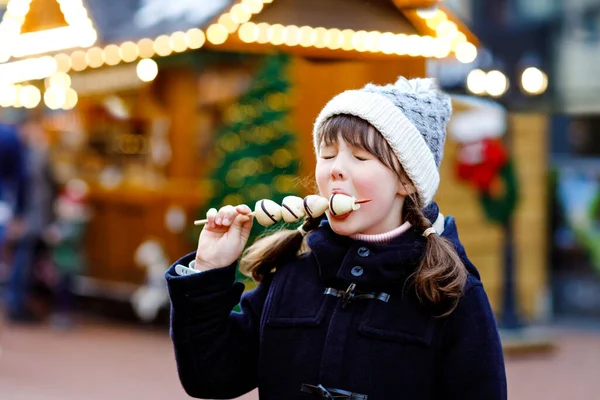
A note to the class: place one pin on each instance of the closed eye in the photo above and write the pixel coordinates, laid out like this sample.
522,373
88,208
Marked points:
359,158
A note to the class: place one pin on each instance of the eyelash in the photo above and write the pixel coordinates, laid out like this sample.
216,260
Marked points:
357,157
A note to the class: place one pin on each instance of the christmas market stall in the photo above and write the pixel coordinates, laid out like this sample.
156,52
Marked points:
167,108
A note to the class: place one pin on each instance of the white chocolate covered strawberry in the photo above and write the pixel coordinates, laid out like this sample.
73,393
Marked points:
292,208
340,204
267,212
315,205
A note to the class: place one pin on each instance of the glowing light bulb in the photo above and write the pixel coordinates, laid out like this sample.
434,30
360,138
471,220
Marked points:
147,70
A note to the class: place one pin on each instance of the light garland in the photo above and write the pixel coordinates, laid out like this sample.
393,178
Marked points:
230,21
58,94
347,40
437,20
493,83
447,39
79,32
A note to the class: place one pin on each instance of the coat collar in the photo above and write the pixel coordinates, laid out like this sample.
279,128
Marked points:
384,263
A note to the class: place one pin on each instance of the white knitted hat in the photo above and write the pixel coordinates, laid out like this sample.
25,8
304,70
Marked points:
411,115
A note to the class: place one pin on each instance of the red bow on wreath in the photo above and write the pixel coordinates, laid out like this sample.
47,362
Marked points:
479,163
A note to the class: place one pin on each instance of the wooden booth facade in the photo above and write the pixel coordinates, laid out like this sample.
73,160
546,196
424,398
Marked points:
155,86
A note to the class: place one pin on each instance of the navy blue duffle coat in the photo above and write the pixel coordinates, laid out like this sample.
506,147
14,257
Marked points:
297,337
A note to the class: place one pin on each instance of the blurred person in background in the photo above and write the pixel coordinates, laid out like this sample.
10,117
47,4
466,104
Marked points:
13,186
66,238
37,215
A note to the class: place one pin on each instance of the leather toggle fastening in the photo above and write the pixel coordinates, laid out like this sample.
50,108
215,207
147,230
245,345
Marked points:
350,294
331,394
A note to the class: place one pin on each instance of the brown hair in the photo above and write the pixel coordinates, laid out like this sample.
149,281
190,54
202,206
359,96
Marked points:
440,277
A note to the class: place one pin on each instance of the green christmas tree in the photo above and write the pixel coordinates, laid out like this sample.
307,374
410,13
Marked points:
256,152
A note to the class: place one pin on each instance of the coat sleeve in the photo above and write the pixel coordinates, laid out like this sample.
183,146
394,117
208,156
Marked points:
216,349
472,363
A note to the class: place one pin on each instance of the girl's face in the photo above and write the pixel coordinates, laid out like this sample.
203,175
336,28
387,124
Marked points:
343,167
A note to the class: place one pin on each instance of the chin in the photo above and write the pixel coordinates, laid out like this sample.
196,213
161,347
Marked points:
342,230
344,227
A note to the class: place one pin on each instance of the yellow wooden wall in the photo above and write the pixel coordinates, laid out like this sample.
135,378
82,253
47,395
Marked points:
483,240
530,141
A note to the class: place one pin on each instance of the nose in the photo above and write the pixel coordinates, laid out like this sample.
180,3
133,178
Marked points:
338,171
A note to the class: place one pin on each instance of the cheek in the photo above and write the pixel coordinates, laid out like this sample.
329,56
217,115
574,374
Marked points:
377,184
321,174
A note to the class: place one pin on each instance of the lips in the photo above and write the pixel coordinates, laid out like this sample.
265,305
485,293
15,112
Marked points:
340,217
340,191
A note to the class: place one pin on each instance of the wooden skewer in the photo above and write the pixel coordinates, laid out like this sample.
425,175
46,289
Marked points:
204,221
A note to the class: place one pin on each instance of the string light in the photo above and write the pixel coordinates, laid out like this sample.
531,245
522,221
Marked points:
248,32
322,37
162,46
466,52
78,60
237,19
493,83
71,99
276,34
336,39
263,33
195,38
496,84
178,42
29,96
348,36
147,70
254,6
476,81
78,33
240,14
437,20
8,95
308,36
427,13
27,70
95,57
63,62
60,80
348,40
55,98
112,54
534,81
146,48
227,21
446,29
129,51
217,34
292,35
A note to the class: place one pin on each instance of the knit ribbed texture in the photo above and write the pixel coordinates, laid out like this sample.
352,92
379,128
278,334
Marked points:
411,116
382,237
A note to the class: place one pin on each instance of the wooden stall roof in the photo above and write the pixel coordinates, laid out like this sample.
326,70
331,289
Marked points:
369,19
125,31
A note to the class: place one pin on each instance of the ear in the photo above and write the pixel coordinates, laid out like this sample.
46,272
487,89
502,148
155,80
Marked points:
405,189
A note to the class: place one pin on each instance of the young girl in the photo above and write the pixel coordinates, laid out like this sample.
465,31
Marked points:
380,303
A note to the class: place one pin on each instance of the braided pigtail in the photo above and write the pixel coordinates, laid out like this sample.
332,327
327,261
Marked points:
274,249
440,278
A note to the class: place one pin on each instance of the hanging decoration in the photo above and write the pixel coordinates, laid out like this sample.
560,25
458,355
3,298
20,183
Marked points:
482,159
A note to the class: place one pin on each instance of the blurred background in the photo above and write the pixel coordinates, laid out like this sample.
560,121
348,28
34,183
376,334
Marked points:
122,121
